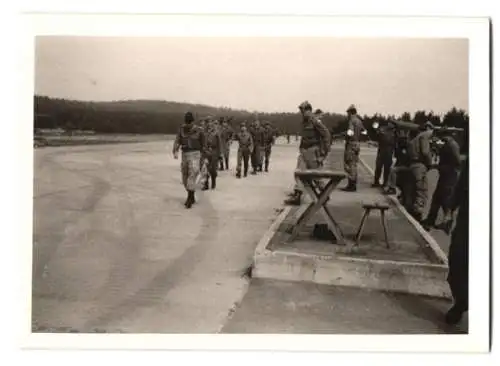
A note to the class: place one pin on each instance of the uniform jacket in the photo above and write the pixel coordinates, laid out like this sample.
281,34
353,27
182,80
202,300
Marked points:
213,143
449,154
419,149
269,135
314,133
257,134
189,138
245,140
386,138
356,126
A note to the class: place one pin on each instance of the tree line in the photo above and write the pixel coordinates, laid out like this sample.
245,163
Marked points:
163,117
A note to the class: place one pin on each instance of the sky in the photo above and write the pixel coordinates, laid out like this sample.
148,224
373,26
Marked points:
377,75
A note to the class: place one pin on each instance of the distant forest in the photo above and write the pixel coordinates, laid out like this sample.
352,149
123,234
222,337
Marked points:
163,117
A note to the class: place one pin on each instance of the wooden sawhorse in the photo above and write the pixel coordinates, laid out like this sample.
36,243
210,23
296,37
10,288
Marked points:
319,194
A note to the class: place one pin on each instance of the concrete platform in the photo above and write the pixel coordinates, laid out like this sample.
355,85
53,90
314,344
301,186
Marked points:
410,265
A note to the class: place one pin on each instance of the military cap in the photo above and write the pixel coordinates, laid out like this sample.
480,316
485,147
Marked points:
318,111
188,117
305,105
428,124
352,108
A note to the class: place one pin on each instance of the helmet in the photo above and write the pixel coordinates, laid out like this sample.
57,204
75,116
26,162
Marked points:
305,106
188,117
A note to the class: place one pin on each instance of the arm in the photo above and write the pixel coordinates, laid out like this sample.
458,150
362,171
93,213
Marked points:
325,136
462,185
455,151
425,150
177,144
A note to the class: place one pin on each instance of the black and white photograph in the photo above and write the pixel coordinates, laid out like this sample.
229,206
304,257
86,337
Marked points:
255,184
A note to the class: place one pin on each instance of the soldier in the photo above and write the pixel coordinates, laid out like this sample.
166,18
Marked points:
314,146
190,139
268,142
458,255
351,153
386,139
419,152
448,168
245,148
211,153
258,137
227,135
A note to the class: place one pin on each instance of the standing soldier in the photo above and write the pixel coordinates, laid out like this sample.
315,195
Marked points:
351,153
190,139
314,146
226,138
448,168
268,142
458,254
245,148
398,175
211,153
258,138
419,153
386,139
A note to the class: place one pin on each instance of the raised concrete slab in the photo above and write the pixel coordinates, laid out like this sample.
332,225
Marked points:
411,265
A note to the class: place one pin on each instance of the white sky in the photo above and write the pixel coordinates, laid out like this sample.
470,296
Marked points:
266,74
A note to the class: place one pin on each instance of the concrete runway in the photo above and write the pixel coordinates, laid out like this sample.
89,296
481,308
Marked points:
115,249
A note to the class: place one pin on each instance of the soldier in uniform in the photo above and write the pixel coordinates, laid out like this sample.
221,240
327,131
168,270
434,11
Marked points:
458,255
245,148
268,142
190,139
227,135
386,139
211,153
419,153
258,137
314,146
448,168
352,147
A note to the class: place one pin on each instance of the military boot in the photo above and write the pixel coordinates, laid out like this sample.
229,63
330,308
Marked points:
245,172
205,185
266,167
351,186
214,180
238,174
190,200
294,200
227,163
390,191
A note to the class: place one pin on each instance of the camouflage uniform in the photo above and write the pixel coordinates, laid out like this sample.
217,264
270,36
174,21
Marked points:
258,136
211,154
419,153
245,148
190,139
449,168
268,142
352,148
386,143
314,147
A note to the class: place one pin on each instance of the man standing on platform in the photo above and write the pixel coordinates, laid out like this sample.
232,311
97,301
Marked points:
386,139
355,129
258,138
419,153
314,146
245,148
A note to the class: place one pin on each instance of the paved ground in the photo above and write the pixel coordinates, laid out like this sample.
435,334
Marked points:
115,250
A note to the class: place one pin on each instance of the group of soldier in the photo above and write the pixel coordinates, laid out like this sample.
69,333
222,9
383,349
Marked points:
207,146
206,149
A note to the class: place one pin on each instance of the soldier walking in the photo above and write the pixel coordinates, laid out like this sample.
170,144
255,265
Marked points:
245,148
258,137
211,153
268,142
419,153
448,168
227,134
352,147
190,139
386,139
314,147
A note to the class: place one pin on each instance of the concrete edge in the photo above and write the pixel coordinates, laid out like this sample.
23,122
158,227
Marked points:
261,248
438,252
381,275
